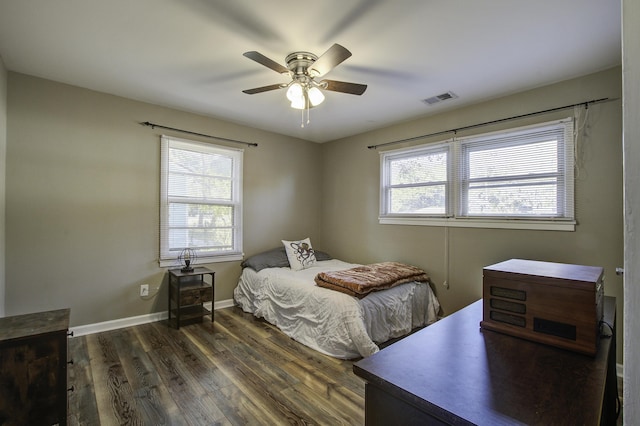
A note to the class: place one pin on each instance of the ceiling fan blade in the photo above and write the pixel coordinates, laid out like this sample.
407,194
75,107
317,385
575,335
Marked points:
344,87
263,89
329,59
269,63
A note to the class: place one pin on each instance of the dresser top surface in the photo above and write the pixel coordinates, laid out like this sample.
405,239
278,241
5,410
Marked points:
18,326
456,369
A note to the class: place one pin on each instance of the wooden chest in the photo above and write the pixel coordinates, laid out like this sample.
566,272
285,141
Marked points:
33,368
553,303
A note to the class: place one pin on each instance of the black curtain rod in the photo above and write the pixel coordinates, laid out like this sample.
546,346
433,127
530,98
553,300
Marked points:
586,105
153,125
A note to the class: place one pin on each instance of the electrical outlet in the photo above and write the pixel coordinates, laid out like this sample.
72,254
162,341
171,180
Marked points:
144,290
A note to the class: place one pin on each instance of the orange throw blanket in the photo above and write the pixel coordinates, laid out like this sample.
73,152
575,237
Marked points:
362,280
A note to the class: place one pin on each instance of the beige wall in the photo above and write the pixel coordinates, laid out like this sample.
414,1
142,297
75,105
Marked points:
82,193
351,193
631,125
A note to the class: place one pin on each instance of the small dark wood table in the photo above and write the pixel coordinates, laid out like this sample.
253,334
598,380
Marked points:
188,291
453,372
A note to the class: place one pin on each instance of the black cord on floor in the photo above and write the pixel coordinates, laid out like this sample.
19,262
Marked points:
609,336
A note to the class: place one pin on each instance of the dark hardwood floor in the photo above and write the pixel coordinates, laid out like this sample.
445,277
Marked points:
237,370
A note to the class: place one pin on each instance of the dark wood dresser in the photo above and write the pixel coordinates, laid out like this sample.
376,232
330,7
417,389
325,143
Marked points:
33,368
455,373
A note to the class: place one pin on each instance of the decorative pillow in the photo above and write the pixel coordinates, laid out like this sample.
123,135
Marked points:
320,255
274,258
300,254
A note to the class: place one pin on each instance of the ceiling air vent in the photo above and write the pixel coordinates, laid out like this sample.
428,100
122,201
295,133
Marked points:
440,98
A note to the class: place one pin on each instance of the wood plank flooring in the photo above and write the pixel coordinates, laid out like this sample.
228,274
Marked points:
237,370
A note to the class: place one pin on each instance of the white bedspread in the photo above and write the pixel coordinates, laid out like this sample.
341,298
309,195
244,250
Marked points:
328,321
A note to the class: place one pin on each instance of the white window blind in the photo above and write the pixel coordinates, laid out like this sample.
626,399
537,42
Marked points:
516,178
201,201
527,172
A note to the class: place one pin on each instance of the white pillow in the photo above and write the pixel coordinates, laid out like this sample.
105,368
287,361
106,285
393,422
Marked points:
300,254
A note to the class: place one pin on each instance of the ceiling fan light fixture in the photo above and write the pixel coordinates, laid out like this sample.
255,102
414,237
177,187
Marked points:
316,97
298,103
295,92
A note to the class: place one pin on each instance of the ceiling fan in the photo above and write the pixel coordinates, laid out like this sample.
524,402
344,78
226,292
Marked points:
303,90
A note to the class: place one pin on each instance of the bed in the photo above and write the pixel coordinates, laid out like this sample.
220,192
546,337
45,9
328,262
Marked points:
329,321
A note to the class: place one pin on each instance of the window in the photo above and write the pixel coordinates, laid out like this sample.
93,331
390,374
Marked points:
201,201
519,178
416,182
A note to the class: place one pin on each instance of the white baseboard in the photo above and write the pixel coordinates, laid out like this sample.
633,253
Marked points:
83,330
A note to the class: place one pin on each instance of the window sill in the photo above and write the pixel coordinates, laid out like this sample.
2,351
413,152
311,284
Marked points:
173,263
539,225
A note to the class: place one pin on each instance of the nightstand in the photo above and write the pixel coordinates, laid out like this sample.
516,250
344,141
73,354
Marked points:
188,291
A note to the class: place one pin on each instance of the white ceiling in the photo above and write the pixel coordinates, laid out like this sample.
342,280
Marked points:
187,54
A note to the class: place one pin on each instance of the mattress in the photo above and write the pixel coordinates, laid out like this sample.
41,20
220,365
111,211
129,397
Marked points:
329,321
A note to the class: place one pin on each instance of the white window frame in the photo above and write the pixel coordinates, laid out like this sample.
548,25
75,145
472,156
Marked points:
169,255
456,215
387,187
